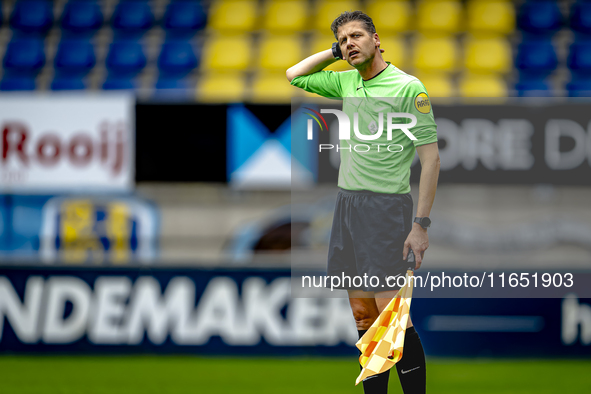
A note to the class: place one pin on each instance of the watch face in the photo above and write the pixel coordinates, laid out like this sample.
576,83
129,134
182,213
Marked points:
426,222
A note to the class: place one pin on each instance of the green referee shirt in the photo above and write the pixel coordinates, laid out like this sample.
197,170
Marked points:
385,167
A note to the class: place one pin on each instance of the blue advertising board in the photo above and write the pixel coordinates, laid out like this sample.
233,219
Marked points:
97,310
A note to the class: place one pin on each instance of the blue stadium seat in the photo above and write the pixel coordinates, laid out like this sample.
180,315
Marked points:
177,58
66,83
118,84
184,18
75,56
579,88
81,17
132,17
24,56
536,58
540,17
580,17
579,58
32,16
17,83
125,58
534,88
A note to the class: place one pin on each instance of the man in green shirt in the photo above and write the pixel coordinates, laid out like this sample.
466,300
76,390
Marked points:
372,232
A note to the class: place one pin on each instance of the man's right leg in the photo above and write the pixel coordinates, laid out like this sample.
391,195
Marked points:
365,312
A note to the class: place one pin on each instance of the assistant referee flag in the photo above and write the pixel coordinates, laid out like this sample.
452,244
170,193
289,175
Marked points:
383,344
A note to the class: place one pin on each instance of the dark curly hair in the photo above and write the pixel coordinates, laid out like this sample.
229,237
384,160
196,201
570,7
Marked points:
347,17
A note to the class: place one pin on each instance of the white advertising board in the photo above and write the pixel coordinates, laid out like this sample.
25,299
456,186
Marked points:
66,143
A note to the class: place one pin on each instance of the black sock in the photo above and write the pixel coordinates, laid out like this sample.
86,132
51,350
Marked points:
411,368
376,384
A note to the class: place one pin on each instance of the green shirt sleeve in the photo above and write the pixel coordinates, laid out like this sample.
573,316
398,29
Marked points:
323,83
418,103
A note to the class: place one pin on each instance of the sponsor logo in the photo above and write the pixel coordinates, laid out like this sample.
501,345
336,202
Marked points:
409,370
422,103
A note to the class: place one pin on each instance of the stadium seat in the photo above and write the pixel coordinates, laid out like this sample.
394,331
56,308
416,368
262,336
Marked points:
174,88
17,83
177,58
273,88
285,16
536,59
222,87
391,16
118,84
439,16
438,85
535,88
488,54
233,16
24,56
490,16
321,42
65,83
394,51
184,18
579,88
279,52
75,57
435,54
81,17
328,10
579,58
32,16
580,17
132,18
487,85
227,53
540,17
125,58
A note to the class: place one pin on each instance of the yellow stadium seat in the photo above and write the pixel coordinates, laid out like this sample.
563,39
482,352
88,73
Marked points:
484,85
439,16
221,87
390,16
394,51
496,16
227,53
488,54
321,42
285,16
233,15
435,54
328,10
273,88
279,52
438,85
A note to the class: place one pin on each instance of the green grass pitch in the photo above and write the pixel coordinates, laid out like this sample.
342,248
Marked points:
212,375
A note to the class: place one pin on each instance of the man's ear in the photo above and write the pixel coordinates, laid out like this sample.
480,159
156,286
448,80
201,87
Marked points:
377,39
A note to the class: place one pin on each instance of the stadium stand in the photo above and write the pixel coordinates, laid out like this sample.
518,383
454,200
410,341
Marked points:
391,17
132,18
490,17
184,18
487,85
222,87
233,15
439,16
31,17
287,16
531,45
81,17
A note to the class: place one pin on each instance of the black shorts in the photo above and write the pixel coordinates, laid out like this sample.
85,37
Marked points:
367,239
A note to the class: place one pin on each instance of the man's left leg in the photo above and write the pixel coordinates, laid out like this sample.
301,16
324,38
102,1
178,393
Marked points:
411,367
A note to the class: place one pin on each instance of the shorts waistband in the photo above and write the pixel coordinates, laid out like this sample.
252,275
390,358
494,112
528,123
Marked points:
369,193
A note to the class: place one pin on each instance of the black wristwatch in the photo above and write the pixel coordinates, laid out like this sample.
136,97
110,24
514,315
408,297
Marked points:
336,51
424,222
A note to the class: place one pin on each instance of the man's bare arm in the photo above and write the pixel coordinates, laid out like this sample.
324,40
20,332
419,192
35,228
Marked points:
311,64
418,240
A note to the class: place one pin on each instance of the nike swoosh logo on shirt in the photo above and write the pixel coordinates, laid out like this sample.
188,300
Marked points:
359,87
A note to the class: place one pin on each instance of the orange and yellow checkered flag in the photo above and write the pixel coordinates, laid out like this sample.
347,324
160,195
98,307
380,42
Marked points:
382,345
